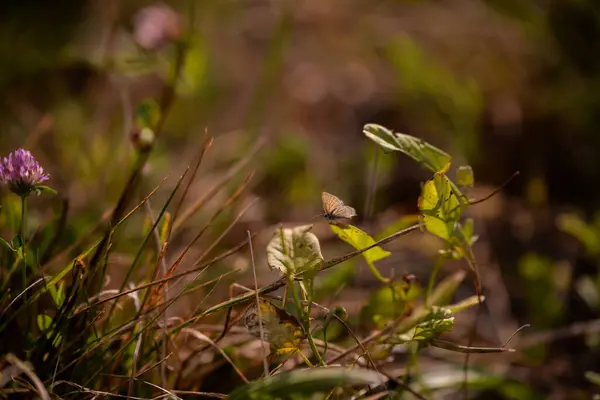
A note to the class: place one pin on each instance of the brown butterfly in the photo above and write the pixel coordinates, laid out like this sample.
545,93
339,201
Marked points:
335,209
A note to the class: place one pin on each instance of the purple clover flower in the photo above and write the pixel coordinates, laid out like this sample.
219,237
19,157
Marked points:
21,172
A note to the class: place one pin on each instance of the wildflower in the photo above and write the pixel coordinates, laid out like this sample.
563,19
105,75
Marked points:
21,172
156,26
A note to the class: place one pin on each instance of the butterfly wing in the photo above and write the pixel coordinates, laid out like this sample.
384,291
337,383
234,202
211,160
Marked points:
345,212
330,203
335,209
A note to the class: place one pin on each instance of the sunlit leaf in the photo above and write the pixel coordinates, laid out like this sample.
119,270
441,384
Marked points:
292,251
424,153
44,322
439,206
360,240
465,176
304,382
438,321
280,329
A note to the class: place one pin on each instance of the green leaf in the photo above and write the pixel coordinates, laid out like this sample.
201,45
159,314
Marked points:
47,189
360,240
292,251
8,245
58,294
44,322
304,382
424,153
469,302
17,243
148,114
439,206
438,321
464,176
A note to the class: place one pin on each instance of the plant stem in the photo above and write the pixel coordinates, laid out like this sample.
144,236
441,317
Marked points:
305,320
22,244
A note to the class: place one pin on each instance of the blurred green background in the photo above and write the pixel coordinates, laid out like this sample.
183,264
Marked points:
502,85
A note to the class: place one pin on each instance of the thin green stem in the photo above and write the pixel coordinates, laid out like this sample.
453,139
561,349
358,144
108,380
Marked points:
305,319
22,244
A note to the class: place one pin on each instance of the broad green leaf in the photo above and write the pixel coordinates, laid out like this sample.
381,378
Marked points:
292,251
439,206
438,321
304,382
360,240
424,153
465,176
280,329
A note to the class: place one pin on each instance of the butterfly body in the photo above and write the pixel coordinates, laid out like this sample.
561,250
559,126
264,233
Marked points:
335,209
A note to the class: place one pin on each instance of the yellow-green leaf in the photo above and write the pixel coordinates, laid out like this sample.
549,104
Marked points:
360,240
439,206
424,153
282,330
465,176
292,251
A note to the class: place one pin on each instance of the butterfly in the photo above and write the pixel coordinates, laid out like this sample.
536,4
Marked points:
335,209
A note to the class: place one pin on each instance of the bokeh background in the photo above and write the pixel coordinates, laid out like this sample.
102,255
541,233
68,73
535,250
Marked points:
286,87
